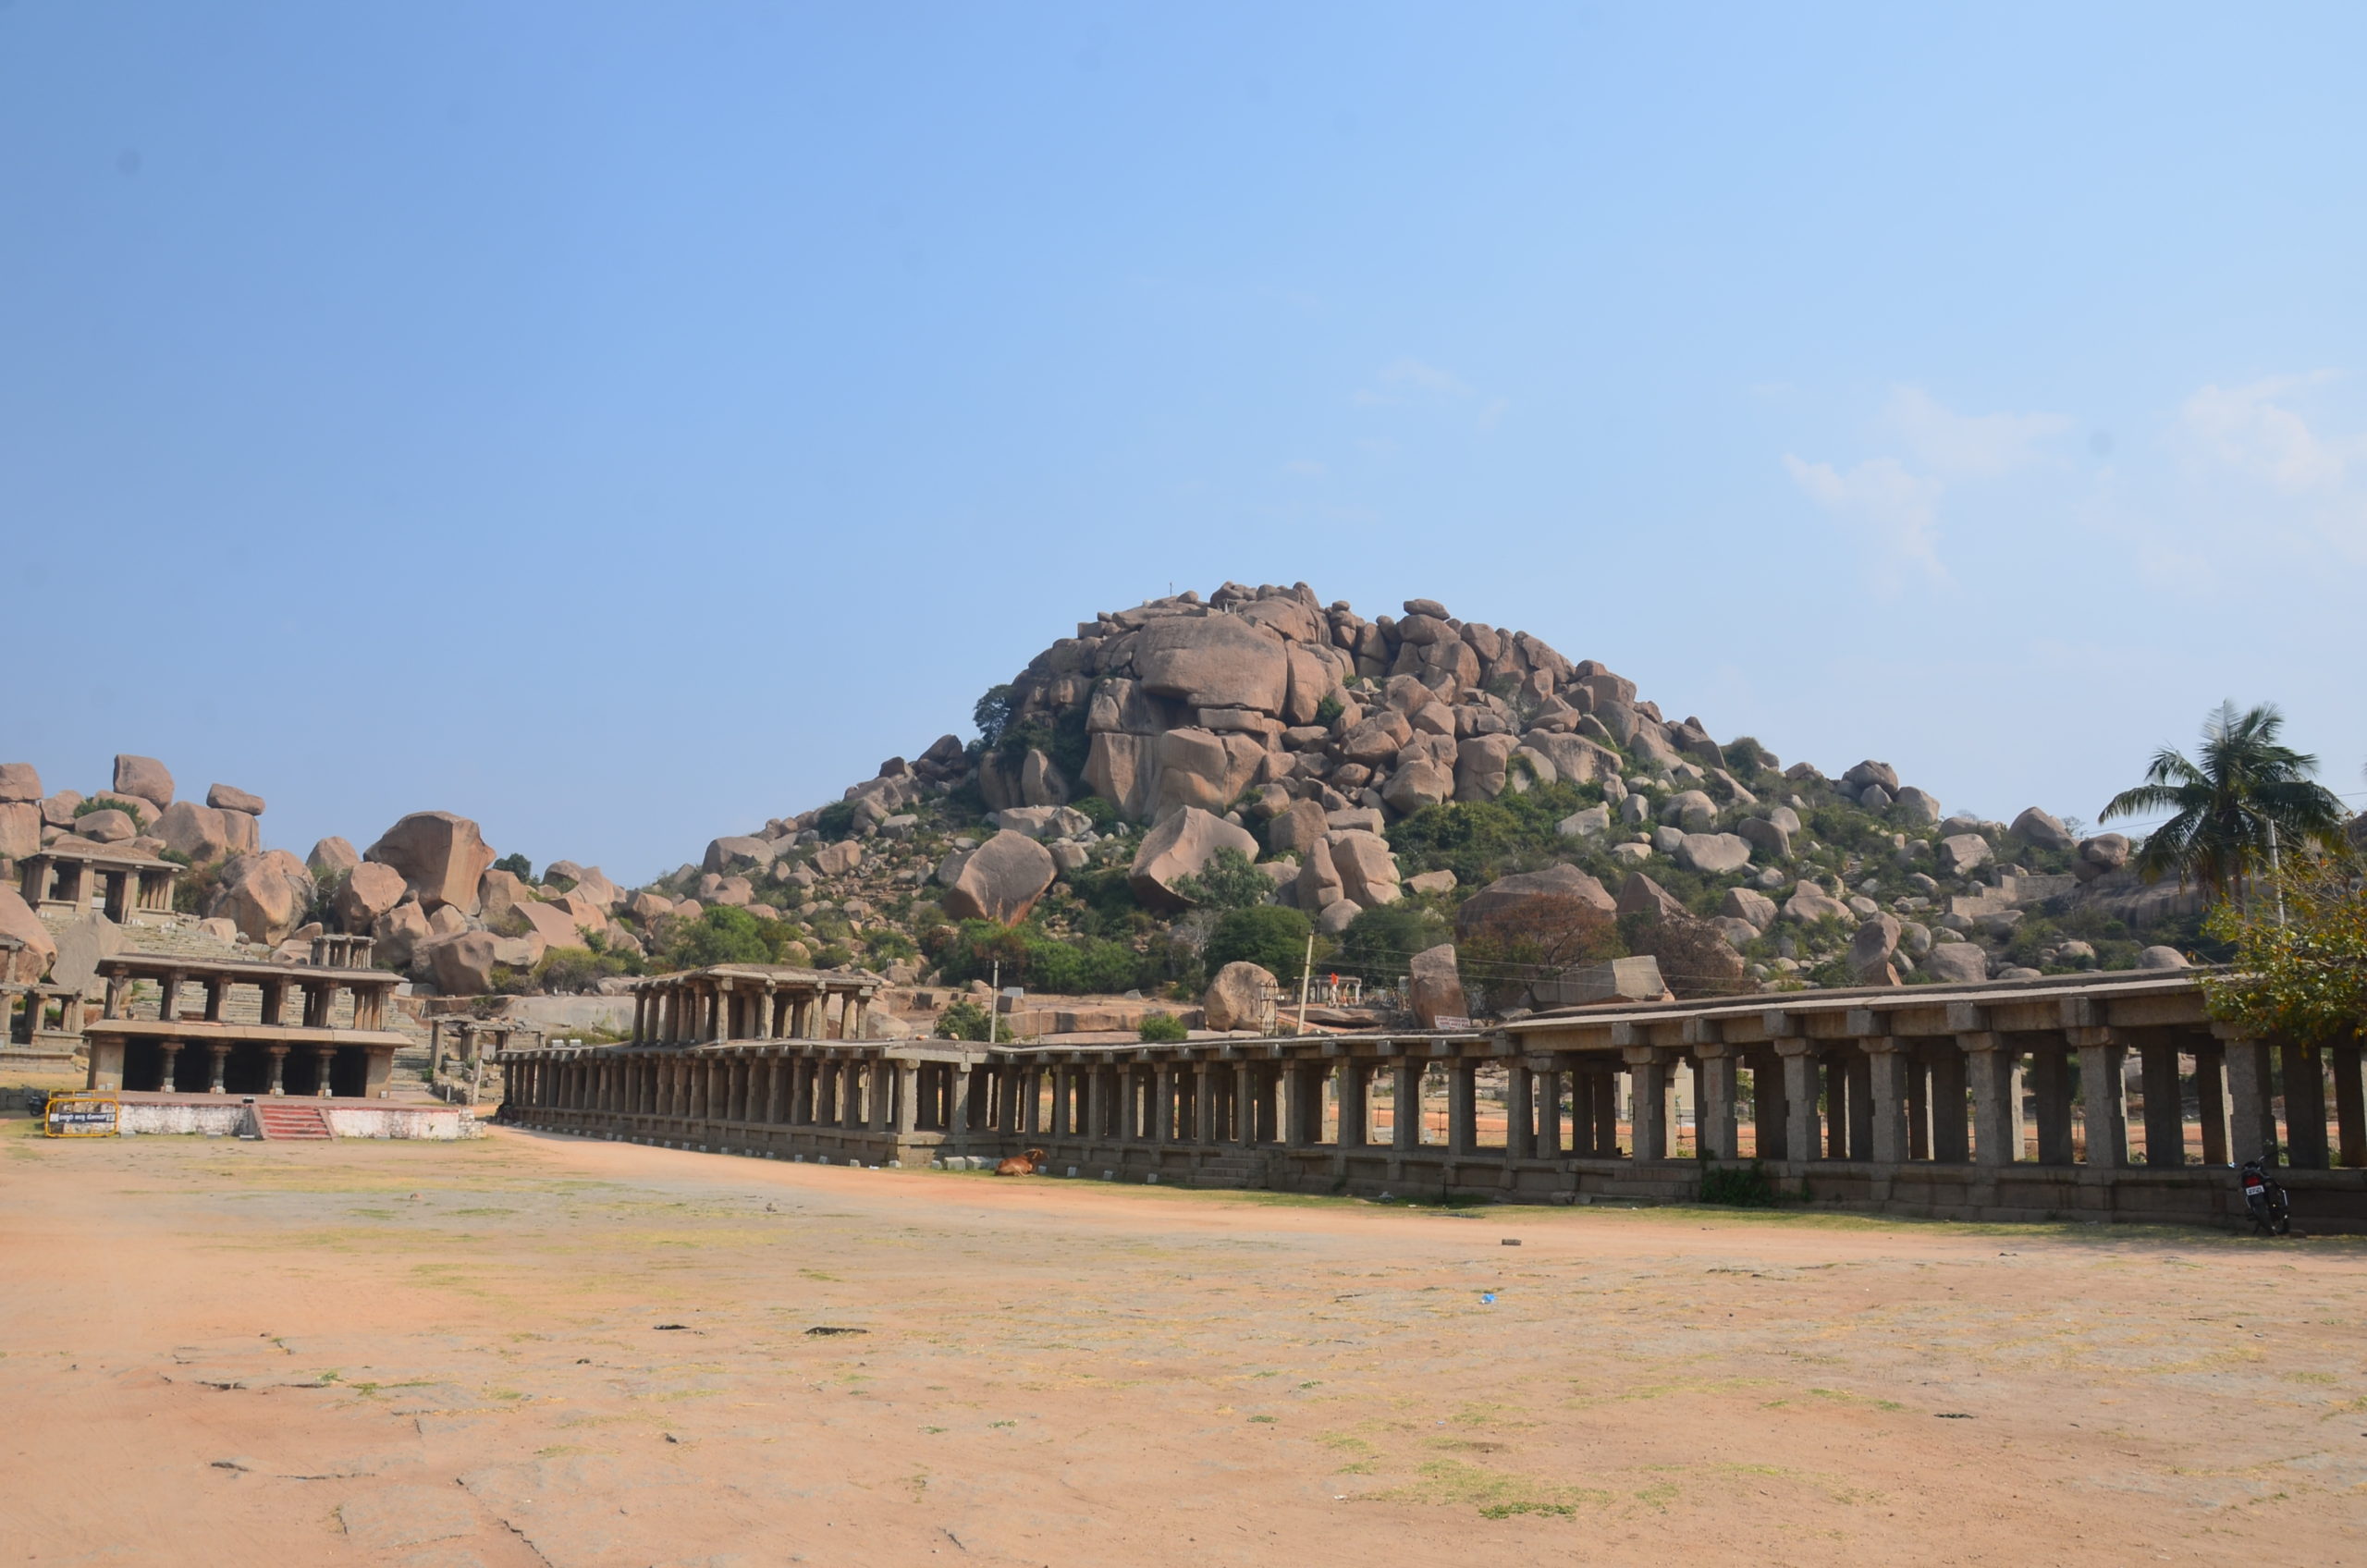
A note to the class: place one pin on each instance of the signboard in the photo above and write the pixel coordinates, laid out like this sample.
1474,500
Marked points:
1451,1021
81,1115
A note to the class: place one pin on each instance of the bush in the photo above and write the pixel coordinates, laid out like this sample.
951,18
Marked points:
517,865
1031,956
836,820
1163,1029
1229,881
1269,936
1327,711
963,1019
1738,1186
725,934
568,970
1378,943
108,802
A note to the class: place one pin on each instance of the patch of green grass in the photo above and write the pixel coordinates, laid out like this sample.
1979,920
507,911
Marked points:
1494,1494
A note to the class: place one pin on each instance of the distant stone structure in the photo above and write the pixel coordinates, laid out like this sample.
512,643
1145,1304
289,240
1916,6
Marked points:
168,1051
74,878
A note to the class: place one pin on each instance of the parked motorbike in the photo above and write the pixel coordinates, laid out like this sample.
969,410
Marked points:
2271,1212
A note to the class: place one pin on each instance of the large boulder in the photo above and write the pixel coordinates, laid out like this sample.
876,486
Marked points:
2105,852
1587,822
1216,661
1956,963
2042,829
1242,996
20,829
2162,958
1871,774
1870,950
1917,805
1692,810
19,784
733,853
1180,846
1641,895
266,896
400,933
143,777
1741,903
1768,834
1508,892
1959,852
1575,759
1318,888
1619,980
498,892
1810,903
1713,854
553,924
1297,828
1368,875
35,950
199,832
226,797
107,826
1418,783
80,948
441,856
1435,987
839,859
370,890
332,855
1001,879
462,965
591,884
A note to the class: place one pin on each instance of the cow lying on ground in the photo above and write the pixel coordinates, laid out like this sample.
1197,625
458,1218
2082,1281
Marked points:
1023,1164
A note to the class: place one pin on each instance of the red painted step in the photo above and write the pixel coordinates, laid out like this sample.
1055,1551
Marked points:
289,1120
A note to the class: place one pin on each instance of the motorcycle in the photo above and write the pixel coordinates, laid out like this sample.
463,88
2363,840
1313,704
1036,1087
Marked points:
2271,1213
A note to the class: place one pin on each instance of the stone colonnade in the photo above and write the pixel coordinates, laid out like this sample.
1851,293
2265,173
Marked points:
752,1002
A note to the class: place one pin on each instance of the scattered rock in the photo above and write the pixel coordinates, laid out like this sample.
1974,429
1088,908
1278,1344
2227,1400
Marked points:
442,858
1430,882
1001,879
1241,995
1436,986
143,777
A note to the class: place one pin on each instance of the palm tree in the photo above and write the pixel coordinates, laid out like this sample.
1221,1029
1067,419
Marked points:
2231,807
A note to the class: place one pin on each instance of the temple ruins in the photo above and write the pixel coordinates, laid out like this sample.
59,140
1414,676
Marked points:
2004,1100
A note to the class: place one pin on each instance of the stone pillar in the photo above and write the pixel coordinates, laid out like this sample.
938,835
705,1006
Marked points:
1405,1114
1244,1104
171,1052
2050,1086
1584,1083
168,996
1355,1103
2157,1055
1917,1074
2211,1096
221,1055
2104,1095
1885,1100
1858,1068
1605,1096
1462,1108
1802,1138
908,1098
1948,1074
1997,1074
1548,1095
1650,1072
2349,1104
1718,1135
325,1056
2303,1070
858,1084
278,1068
1520,1113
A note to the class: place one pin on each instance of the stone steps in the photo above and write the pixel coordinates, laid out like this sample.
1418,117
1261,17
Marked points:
291,1121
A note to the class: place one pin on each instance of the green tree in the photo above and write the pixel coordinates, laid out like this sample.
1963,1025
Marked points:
720,935
992,716
517,865
964,1021
1269,936
2244,794
2300,962
1228,881
1379,941
1163,1029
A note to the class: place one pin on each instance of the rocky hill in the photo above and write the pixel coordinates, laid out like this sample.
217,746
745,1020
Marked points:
1443,806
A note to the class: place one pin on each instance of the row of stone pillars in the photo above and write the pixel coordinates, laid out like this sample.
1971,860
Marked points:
720,1010
169,1054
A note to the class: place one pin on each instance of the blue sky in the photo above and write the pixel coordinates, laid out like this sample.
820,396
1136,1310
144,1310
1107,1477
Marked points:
622,425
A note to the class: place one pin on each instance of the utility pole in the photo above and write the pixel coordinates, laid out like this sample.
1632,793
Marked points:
1306,978
2275,881
994,1003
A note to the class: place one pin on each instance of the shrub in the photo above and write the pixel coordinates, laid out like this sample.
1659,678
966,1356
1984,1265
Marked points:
1163,1029
963,1019
726,934
1031,956
1738,1186
1378,943
567,971
836,820
1269,936
1229,881
1327,711
517,865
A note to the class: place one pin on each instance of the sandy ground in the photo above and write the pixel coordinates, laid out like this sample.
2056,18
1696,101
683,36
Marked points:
529,1349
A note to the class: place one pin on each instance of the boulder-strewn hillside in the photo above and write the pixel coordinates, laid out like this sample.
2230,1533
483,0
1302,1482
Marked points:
1401,765
1177,799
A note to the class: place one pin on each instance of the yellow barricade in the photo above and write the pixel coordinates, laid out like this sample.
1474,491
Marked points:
79,1114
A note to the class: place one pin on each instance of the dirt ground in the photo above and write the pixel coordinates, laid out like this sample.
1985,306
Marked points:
529,1350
